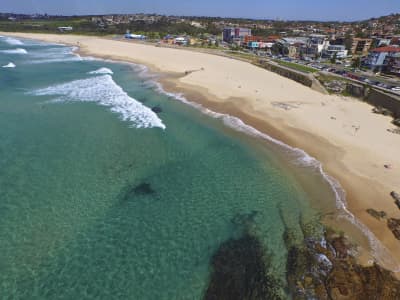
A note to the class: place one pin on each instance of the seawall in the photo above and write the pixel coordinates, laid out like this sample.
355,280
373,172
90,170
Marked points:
376,97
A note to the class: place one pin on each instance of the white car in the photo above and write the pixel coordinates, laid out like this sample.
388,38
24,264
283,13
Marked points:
396,88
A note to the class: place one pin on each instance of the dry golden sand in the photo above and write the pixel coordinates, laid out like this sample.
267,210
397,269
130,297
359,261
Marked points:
351,142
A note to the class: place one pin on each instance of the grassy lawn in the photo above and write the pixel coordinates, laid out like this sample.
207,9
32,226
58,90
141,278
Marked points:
297,67
247,56
326,79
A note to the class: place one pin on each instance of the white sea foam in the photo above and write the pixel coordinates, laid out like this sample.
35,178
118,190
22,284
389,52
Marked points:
102,71
13,41
15,51
104,91
380,252
53,55
9,65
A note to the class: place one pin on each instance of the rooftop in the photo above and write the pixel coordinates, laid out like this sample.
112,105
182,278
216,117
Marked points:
387,49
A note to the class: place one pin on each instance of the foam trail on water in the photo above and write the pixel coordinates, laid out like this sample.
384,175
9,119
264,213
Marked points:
15,51
54,55
104,91
13,41
9,65
102,71
380,252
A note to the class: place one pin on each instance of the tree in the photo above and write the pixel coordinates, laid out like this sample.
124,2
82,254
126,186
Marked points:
348,40
333,58
356,63
277,49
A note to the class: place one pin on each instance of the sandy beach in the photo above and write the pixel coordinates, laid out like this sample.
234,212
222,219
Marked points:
352,143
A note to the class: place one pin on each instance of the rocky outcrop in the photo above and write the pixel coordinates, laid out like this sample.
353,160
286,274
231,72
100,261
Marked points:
394,226
382,111
332,272
376,214
396,198
320,265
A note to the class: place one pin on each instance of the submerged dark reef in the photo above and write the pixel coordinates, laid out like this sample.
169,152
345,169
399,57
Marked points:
240,268
319,266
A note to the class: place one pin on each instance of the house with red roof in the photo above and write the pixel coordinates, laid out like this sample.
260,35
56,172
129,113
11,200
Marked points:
377,57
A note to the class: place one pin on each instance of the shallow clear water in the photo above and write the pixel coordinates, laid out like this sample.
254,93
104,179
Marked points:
101,198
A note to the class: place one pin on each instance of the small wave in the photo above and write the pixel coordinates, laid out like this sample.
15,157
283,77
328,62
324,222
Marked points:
53,55
9,65
104,91
54,60
15,51
13,41
102,71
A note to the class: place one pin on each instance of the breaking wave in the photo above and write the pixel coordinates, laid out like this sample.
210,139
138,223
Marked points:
9,65
102,71
104,91
15,51
13,41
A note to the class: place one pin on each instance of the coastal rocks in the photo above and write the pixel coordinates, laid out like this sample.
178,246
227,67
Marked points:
329,270
381,111
396,198
376,214
395,130
240,272
396,122
394,226
351,281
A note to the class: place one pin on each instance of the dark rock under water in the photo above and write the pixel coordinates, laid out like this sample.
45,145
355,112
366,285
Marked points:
144,189
240,272
157,109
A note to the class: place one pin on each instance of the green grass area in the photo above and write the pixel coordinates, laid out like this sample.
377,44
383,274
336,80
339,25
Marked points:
241,55
80,26
297,67
323,79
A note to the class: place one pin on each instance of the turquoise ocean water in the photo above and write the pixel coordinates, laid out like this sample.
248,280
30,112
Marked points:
103,198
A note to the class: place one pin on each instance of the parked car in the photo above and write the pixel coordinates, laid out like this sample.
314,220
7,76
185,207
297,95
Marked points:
396,88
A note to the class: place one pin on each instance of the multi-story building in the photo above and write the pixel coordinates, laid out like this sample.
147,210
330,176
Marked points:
338,51
378,58
235,34
316,44
360,46
393,63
